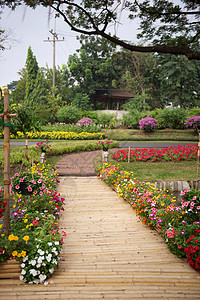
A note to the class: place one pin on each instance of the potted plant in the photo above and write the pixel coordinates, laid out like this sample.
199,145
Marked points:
43,147
27,183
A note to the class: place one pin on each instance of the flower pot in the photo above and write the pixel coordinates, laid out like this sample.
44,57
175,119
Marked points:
105,148
24,189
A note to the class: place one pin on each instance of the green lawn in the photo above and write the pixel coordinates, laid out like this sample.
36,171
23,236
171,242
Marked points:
158,135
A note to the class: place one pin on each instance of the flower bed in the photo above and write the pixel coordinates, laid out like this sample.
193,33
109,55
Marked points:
177,153
57,135
179,225
34,239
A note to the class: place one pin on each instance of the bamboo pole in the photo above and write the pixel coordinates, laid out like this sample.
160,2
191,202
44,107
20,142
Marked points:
129,154
6,115
6,181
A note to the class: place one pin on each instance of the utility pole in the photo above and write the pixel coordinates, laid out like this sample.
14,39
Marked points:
54,40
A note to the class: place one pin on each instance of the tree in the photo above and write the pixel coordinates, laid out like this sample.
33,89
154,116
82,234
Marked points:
179,80
92,66
32,70
5,38
171,27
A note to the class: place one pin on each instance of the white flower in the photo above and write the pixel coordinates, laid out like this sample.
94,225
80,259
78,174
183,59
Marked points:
42,277
32,262
33,272
51,270
23,265
46,283
36,281
40,259
48,258
30,282
54,249
23,272
43,264
41,252
49,243
56,242
21,277
25,258
38,266
54,261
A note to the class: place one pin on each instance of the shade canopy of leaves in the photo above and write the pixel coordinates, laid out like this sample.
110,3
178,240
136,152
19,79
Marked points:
170,26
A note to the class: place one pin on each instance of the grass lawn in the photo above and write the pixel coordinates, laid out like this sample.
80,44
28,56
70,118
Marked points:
159,171
158,135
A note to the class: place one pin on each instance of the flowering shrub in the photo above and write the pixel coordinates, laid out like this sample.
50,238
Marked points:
104,144
193,122
177,153
2,203
156,209
190,203
34,237
148,124
85,122
43,146
192,249
57,135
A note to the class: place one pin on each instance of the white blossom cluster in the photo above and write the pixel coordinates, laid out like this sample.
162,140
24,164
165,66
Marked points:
37,266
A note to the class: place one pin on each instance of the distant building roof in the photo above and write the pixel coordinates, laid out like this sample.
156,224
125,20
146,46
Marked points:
112,93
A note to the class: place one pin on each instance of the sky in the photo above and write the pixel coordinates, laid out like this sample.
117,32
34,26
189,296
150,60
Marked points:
31,28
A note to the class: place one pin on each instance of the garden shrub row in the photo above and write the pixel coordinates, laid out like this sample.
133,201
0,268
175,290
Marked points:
34,239
17,154
57,135
178,224
171,153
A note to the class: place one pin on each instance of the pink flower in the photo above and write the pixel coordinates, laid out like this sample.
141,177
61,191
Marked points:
182,193
29,188
194,198
33,181
41,193
17,187
21,180
35,223
198,207
192,205
35,192
39,180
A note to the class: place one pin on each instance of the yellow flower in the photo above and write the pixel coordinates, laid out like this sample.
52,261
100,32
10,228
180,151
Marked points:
25,220
1,226
26,238
12,237
3,234
23,253
19,255
14,253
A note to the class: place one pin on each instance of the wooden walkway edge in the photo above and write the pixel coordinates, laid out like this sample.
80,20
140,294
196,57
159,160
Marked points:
108,253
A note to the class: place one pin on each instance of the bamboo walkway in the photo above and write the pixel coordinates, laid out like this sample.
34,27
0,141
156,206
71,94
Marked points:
108,253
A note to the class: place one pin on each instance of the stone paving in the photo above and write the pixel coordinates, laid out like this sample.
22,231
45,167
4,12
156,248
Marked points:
78,164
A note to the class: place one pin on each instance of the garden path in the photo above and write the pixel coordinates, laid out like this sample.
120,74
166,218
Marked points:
108,253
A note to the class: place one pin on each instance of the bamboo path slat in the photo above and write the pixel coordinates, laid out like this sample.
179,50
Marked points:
108,253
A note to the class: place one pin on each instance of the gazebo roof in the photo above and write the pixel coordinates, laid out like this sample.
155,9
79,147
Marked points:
113,93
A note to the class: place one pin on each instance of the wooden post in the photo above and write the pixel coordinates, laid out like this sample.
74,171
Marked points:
6,181
129,154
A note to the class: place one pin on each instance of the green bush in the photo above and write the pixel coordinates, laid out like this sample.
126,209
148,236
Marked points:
131,120
68,114
105,119
172,118
91,115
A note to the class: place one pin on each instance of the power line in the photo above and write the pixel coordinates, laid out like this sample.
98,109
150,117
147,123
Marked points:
54,40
